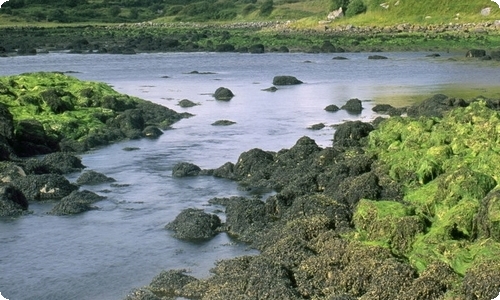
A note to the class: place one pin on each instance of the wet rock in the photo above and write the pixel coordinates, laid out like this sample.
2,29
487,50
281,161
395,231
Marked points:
6,130
223,123
152,132
433,55
194,224
332,108
31,139
353,106
351,190
271,89
75,203
170,283
256,49
223,94
12,201
351,133
377,57
184,169
487,219
382,108
10,171
339,58
142,294
65,162
252,162
225,171
44,186
475,53
186,103
130,122
318,126
93,178
286,80
435,106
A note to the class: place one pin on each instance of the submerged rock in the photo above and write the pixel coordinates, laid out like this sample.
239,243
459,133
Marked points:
93,178
185,169
75,203
194,224
223,123
286,80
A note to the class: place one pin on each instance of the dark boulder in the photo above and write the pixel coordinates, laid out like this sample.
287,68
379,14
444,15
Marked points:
10,171
339,58
286,80
75,203
353,106
44,186
12,201
159,115
256,49
318,126
482,281
435,106
225,48
270,89
93,178
186,103
194,224
353,189
223,123
382,108
152,132
225,171
351,132
223,94
332,108
245,218
475,53
252,162
487,225
6,132
185,169
130,122
170,283
377,57
433,55
142,294
495,55
31,139
63,161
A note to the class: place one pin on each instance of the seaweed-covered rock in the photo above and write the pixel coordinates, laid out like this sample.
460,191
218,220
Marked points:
142,294
353,189
351,133
186,103
225,171
475,53
223,123
12,201
256,49
184,169
10,171
317,126
194,224
223,94
75,203
65,162
44,186
487,220
353,106
435,106
93,178
482,281
152,132
31,139
252,162
377,57
332,108
170,283
286,80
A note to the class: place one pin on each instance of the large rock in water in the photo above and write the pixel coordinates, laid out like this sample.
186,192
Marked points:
475,53
44,186
223,94
65,162
286,80
12,201
76,202
185,169
353,106
194,224
93,178
435,106
351,132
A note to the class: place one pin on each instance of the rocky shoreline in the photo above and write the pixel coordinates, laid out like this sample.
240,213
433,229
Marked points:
400,208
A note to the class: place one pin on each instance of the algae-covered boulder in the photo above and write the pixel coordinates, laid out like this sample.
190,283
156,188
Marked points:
194,224
223,94
10,171
286,80
63,161
54,111
12,201
353,106
75,203
184,169
482,281
186,103
487,220
152,132
170,283
44,186
92,177
252,162
435,106
350,133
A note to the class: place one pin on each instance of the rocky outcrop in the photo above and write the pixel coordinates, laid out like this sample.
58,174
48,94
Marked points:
223,94
286,80
75,203
44,186
93,178
12,201
353,106
332,108
194,224
350,133
185,169
435,106
65,162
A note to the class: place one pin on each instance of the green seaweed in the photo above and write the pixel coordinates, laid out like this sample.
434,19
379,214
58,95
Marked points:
449,168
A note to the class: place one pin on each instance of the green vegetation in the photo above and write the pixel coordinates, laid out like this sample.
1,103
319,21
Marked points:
451,208
307,12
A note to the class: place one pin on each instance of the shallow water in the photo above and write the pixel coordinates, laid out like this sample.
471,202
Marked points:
103,254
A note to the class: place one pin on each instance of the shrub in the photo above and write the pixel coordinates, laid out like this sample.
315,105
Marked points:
336,4
355,7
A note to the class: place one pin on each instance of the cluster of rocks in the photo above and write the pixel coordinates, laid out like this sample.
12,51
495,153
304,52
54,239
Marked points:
410,28
300,231
23,181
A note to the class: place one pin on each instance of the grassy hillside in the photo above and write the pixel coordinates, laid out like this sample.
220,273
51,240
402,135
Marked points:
307,12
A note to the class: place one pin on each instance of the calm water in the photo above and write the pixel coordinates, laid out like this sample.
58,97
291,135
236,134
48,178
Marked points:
105,253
